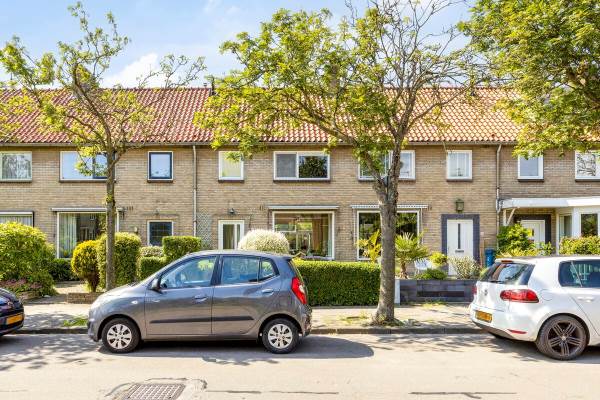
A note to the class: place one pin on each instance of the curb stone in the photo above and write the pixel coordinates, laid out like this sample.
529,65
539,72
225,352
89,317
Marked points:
458,330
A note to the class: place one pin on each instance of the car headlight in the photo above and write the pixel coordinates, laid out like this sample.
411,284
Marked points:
6,304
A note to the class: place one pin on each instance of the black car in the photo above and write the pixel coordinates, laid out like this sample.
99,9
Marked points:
11,312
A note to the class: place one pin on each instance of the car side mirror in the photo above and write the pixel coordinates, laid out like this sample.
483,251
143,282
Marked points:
155,285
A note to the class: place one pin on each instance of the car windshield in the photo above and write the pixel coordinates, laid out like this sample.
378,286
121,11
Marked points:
508,272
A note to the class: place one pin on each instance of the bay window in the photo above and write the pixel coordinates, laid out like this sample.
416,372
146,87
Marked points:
303,165
74,167
15,166
310,234
369,222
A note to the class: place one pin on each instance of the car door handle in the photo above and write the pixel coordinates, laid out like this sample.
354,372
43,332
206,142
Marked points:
155,300
200,298
586,298
267,291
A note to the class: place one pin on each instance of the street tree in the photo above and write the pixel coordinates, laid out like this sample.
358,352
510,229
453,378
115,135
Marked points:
365,83
66,89
548,53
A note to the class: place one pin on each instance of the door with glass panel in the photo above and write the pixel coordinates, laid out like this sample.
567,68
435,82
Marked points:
230,233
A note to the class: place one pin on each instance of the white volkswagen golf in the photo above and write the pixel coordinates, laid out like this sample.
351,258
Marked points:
552,301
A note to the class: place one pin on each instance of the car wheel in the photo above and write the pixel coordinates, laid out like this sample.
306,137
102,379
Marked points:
562,338
280,336
120,335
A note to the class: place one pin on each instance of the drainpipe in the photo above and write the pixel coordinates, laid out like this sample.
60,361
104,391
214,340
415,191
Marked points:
498,190
195,192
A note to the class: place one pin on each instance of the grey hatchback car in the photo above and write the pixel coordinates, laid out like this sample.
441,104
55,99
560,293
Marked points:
204,296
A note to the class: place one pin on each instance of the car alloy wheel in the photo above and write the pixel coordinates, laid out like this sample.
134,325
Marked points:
562,338
280,336
120,335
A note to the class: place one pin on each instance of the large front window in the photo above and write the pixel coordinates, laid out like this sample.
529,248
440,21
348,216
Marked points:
15,166
74,228
589,225
301,166
73,167
310,235
369,222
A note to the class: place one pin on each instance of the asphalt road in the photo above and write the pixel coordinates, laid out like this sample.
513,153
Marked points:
323,367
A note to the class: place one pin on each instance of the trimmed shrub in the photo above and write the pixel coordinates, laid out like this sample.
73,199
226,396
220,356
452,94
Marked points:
586,245
265,240
175,247
431,274
438,260
151,251
335,283
149,265
60,270
84,263
466,267
127,253
25,255
514,239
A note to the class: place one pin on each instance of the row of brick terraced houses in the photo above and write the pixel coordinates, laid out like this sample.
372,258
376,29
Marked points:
456,189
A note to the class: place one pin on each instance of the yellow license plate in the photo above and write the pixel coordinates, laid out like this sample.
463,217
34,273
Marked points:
483,316
14,319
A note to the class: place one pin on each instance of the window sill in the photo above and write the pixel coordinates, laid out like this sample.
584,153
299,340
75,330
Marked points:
230,180
459,179
16,180
525,180
587,179
83,181
294,180
159,180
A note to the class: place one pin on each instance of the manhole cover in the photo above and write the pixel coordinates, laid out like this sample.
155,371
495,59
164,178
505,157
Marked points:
153,391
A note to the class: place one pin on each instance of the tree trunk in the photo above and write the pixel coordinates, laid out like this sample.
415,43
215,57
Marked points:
111,225
388,215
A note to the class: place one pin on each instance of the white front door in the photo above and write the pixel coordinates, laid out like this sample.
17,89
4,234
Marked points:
230,233
537,228
459,241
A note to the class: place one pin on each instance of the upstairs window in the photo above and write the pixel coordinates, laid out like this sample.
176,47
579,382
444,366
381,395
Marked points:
587,165
301,166
160,165
15,166
531,168
407,167
73,167
231,166
458,165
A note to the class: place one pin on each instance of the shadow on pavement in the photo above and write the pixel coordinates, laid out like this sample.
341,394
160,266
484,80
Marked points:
523,351
249,352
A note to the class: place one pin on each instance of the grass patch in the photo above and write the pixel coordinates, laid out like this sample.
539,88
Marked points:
77,321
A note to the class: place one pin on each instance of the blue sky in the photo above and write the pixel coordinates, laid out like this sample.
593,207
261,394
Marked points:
158,27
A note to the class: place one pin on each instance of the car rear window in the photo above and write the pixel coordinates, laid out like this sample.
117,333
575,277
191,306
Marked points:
295,269
508,273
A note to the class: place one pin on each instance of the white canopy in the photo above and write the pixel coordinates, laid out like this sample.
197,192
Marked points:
546,202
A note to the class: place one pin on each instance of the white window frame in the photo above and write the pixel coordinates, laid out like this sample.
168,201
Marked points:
18,214
222,156
158,220
89,178
581,177
357,227
149,177
302,211
298,155
467,177
234,222
362,177
540,168
76,211
2,179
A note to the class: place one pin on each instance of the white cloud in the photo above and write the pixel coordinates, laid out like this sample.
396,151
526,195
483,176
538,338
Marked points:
131,74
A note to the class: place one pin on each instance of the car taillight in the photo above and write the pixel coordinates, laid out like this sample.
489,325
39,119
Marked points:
298,289
519,296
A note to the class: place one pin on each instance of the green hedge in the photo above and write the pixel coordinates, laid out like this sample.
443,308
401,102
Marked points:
26,256
583,245
151,251
336,283
60,270
175,247
84,263
149,265
127,253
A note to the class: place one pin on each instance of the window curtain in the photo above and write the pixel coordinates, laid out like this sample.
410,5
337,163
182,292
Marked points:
67,238
21,219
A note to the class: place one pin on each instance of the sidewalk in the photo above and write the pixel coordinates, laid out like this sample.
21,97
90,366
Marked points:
51,314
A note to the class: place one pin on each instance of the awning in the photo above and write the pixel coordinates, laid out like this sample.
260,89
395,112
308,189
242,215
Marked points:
545,202
303,207
400,206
